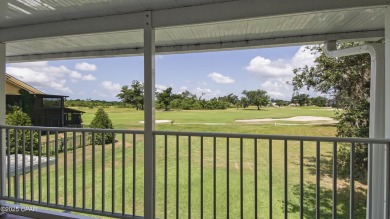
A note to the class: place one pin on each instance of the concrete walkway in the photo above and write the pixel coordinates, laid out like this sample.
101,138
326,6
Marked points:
27,163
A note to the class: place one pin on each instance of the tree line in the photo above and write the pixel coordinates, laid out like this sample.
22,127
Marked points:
133,95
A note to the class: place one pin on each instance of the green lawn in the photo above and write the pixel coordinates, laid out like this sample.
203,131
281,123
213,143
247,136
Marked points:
183,121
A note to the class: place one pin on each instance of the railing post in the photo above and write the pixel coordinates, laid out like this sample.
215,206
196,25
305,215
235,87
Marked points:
2,119
149,111
387,105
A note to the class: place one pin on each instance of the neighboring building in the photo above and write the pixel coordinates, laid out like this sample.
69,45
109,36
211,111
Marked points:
48,110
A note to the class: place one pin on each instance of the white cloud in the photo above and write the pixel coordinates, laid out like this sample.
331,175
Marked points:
111,89
99,93
281,68
78,75
160,88
88,77
183,88
274,88
42,75
111,86
304,57
85,66
38,76
206,92
267,68
274,74
220,79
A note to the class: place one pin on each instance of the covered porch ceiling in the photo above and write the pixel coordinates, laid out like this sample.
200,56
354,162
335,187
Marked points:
51,29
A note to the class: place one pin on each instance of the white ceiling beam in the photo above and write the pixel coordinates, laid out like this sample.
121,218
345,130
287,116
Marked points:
260,43
216,12
73,27
246,9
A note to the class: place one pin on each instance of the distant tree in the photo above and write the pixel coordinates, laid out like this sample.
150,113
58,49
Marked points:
102,121
19,118
319,101
93,103
186,94
257,97
133,95
214,104
165,98
300,99
230,98
186,100
280,103
244,102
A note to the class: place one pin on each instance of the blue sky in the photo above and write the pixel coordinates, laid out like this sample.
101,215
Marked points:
213,73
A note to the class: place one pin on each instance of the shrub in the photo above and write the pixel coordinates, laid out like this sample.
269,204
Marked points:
361,161
19,118
102,121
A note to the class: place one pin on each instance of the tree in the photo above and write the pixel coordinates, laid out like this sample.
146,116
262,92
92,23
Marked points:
231,98
319,101
347,80
244,102
165,98
280,103
102,121
257,97
19,118
300,99
133,95
27,102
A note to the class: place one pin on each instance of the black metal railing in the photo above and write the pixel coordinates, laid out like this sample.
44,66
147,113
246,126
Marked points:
217,175
90,172
197,175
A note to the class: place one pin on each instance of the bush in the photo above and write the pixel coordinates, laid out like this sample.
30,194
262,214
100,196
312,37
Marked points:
102,121
361,161
19,118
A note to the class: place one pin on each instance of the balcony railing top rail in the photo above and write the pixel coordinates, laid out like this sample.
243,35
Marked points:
208,134
277,137
69,129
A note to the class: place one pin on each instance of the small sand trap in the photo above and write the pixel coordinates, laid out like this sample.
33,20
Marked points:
158,121
295,119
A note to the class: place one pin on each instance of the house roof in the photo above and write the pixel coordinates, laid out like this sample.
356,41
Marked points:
18,84
51,95
70,110
47,29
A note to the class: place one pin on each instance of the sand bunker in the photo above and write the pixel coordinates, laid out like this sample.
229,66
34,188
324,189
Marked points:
294,119
158,121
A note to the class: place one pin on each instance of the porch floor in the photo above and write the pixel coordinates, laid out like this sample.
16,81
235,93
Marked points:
12,216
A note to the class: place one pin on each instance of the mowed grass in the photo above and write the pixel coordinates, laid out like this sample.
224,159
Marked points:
185,175
124,118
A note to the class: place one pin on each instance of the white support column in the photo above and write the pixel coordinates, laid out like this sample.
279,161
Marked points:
376,198
387,106
377,152
149,112
2,118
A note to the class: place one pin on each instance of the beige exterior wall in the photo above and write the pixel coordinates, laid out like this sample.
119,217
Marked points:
11,89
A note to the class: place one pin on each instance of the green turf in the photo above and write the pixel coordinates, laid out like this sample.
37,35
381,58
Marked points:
124,118
129,119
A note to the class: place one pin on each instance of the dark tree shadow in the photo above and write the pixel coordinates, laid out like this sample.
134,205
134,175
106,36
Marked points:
261,109
326,202
325,125
326,168
326,193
